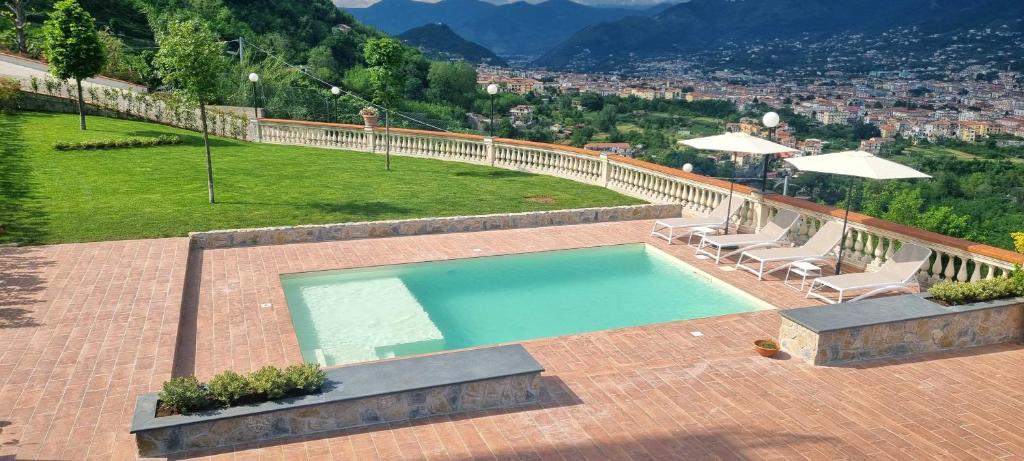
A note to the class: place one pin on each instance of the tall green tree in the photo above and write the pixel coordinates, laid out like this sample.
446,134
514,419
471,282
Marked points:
72,46
452,82
191,59
385,58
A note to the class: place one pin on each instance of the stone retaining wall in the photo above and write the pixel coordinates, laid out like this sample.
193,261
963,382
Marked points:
406,227
957,330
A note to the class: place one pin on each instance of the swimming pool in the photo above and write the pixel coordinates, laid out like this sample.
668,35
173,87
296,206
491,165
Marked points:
357,315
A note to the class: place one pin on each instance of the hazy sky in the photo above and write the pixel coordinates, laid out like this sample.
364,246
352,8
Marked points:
358,3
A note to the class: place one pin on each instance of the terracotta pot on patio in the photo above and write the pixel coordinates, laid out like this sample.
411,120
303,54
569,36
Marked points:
766,347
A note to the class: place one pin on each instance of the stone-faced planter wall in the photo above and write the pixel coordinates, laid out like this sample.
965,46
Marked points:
404,227
896,326
354,396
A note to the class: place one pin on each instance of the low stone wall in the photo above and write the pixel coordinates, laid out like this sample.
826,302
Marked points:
354,396
46,103
945,328
406,227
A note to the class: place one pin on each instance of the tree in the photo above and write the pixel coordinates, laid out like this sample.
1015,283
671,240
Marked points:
191,58
72,47
17,12
385,58
452,82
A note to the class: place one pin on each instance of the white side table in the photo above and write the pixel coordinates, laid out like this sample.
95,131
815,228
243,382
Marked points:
804,269
700,232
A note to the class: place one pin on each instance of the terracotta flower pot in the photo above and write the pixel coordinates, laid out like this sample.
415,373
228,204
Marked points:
766,347
370,120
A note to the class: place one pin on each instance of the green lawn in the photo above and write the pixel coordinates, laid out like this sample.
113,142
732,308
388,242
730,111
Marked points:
49,196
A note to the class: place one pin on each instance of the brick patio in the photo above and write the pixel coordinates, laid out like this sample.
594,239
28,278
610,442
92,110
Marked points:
85,327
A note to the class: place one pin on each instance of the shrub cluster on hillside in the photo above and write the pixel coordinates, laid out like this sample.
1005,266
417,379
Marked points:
119,143
186,394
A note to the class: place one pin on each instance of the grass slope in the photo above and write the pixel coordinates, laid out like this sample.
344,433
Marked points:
48,196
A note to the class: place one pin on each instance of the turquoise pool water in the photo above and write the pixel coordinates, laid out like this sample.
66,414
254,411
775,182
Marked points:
357,315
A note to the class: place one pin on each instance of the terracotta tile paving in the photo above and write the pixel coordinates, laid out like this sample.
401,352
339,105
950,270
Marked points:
83,329
651,392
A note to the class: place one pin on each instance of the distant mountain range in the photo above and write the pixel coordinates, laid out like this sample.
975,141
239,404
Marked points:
515,29
438,41
745,25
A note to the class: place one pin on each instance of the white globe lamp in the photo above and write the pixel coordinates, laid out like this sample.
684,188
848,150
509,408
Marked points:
688,168
254,77
770,120
492,89
335,90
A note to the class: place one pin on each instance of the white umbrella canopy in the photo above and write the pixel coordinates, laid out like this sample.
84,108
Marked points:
737,142
854,163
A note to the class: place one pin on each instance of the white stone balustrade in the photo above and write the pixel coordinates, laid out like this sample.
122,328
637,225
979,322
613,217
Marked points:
869,242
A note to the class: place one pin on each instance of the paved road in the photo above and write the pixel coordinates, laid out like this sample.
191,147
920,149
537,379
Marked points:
24,69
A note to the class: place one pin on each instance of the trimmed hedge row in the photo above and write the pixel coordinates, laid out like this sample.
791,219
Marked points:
954,293
119,143
186,394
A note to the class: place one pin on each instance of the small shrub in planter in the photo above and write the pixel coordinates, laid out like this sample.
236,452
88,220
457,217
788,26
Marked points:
229,388
306,377
954,293
766,347
270,382
185,394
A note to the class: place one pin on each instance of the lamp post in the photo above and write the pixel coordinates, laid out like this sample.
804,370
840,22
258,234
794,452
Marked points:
770,120
334,104
492,90
254,77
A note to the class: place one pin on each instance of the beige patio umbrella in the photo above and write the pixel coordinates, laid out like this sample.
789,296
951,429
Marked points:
858,164
737,142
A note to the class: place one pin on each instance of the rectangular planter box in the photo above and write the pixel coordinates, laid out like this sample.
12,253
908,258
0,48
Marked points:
896,326
354,396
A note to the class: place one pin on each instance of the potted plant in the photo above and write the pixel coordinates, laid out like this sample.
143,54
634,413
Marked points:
766,347
370,116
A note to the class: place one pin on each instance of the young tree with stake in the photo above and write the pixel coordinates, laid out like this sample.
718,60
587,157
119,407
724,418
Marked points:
385,57
72,47
191,58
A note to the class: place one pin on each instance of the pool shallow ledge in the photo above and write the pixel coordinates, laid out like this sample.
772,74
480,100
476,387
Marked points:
354,396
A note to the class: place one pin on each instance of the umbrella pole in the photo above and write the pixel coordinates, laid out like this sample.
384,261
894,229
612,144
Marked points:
846,220
732,183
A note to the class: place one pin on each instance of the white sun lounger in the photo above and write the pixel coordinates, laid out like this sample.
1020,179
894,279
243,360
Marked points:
898,273
669,229
769,236
817,248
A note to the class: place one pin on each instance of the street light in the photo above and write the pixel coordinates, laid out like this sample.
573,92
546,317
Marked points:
254,77
770,120
334,104
492,90
688,168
